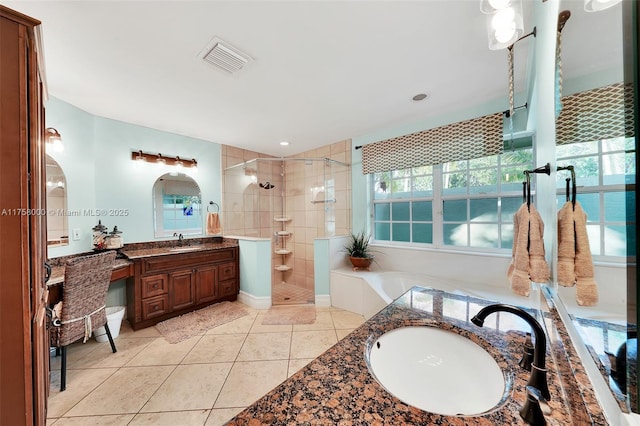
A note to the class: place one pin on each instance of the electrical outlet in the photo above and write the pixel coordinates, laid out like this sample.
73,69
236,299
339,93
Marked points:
76,234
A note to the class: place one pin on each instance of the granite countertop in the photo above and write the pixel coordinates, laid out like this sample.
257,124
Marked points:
337,388
57,272
164,248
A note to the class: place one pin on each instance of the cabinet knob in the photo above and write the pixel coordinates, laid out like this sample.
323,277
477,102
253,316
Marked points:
155,308
155,286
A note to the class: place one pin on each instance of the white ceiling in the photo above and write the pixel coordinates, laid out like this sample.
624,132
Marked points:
323,71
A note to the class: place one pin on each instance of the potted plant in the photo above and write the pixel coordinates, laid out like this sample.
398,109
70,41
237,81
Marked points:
358,249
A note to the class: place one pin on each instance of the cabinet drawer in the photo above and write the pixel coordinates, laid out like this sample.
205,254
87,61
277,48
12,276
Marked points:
227,271
155,306
228,288
154,285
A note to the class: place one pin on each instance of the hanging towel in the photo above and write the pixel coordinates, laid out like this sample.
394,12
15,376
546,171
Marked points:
587,290
213,224
518,272
538,267
566,246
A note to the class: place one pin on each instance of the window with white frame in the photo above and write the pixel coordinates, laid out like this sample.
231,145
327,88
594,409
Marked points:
467,203
471,203
603,170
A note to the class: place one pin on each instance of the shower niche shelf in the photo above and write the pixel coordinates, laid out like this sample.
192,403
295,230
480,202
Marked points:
283,251
281,219
282,268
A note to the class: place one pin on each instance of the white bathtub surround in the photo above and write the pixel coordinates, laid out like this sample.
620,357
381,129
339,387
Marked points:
366,293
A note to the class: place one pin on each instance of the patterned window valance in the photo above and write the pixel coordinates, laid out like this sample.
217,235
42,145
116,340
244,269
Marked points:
478,137
602,113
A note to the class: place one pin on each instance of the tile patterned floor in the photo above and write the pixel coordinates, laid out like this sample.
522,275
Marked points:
202,381
290,294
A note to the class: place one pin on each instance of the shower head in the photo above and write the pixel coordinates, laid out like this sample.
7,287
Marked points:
266,185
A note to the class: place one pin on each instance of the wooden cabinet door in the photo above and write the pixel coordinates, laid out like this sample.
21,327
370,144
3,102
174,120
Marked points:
181,290
24,349
206,284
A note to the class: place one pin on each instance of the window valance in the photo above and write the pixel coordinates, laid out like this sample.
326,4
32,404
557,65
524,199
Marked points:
602,113
478,137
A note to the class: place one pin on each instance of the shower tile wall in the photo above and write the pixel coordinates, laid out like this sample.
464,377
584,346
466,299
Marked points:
249,210
310,182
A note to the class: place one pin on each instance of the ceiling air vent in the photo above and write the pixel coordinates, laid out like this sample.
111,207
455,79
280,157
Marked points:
224,56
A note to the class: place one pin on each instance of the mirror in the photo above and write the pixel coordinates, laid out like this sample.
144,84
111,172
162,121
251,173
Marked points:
593,63
57,223
177,206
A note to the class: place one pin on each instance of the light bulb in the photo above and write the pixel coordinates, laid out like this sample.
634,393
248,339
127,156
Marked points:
504,35
499,4
503,19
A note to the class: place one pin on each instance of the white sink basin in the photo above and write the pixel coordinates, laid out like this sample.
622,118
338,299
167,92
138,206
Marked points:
436,370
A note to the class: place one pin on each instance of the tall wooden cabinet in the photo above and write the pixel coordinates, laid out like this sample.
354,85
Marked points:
24,346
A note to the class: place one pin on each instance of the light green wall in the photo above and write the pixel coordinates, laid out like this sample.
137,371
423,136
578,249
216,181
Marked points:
101,175
255,267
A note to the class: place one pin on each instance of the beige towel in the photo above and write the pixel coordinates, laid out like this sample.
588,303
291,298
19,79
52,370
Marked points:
566,246
587,290
213,224
538,267
518,272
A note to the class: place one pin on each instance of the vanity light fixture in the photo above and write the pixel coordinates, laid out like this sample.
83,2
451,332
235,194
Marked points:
179,163
53,140
598,5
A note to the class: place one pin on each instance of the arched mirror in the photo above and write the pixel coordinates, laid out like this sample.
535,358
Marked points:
176,205
57,223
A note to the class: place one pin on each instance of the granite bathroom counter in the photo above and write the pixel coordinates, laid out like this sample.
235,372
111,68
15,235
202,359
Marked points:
141,250
57,271
337,388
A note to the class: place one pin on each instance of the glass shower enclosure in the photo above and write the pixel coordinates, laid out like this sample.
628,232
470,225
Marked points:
292,201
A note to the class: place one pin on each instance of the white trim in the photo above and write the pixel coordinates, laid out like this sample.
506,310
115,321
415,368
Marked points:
256,302
323,300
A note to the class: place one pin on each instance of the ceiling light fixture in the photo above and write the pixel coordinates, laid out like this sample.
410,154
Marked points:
53,140
598,5
284,143
504,22
419,97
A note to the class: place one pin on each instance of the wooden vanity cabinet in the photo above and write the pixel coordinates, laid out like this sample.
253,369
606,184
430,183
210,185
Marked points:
166,286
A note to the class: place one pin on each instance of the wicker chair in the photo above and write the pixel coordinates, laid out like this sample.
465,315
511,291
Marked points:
82,309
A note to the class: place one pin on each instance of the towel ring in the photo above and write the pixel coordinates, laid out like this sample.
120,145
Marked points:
211,203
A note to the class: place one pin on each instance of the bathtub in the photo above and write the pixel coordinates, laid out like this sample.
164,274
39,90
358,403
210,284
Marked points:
366,293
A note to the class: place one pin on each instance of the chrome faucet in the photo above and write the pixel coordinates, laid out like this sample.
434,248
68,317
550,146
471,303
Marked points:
538,378
180,237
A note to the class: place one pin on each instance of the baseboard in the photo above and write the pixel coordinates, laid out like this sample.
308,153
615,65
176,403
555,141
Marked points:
323,300
254,301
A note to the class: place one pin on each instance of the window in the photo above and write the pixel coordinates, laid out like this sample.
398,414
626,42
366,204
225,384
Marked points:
467,203
603,169
403,205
